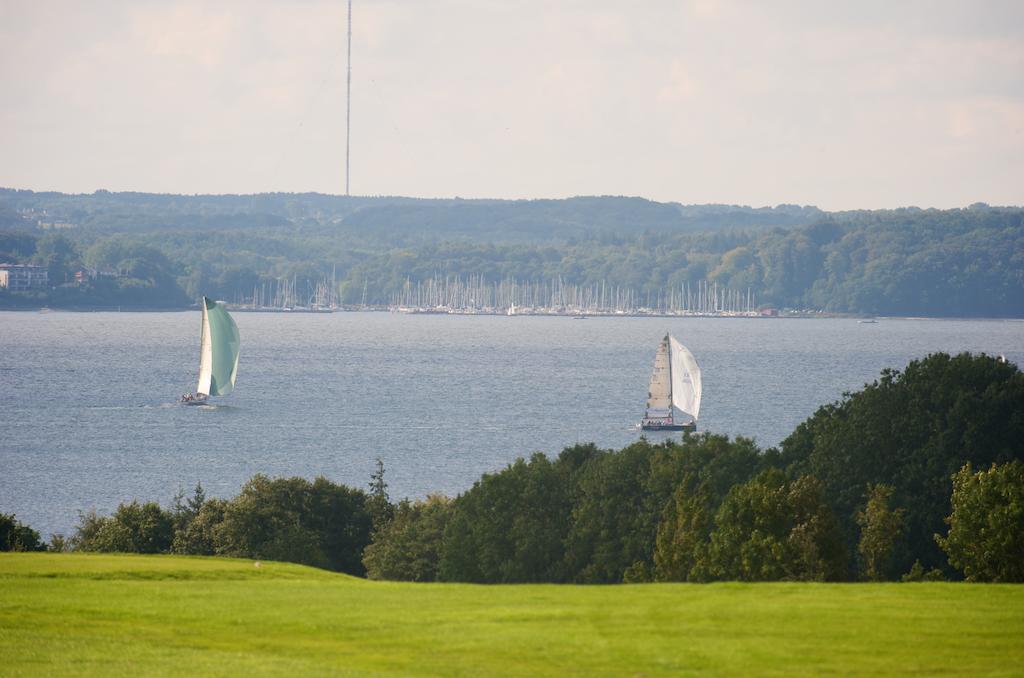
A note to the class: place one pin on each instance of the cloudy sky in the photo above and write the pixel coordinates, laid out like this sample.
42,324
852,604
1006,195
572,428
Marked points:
842,105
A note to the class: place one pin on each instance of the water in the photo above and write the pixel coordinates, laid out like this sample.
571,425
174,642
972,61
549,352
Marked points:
88,413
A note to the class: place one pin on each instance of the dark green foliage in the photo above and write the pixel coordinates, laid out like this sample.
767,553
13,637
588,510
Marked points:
590,516
58,543
917,574
129,273
620,499
59,255
184,510
684,533
408,548
133,528
880,526
16,246
769,529
315,523
183,514
614,515
16,536
986,527
200,536
893,262
912,430
510,527
703,469
378,504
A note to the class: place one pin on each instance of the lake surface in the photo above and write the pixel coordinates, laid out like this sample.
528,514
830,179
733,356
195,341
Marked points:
88,413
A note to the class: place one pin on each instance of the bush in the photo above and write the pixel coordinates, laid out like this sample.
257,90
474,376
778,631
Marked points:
133,528
315,523
408,548
986,527
15,536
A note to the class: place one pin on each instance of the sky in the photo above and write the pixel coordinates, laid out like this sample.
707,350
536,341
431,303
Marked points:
843,105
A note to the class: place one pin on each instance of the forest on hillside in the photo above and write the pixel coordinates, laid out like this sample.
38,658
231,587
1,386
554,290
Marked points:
166,250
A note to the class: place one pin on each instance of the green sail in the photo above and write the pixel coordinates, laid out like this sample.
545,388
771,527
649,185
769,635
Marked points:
218,353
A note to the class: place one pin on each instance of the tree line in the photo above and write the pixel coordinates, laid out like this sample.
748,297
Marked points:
959,262
881,485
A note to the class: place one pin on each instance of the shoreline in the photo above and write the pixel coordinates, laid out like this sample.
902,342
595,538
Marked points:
782,315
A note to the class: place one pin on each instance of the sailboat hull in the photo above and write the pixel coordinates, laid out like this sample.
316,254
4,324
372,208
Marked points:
689,426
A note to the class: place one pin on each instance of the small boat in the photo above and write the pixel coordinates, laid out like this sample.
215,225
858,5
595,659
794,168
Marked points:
868,321
675,385
218,354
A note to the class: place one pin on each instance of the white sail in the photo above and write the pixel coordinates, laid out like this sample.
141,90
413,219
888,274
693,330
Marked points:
659,393
686,384
205,355
218,352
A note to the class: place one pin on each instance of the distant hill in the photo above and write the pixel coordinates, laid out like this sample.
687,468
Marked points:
512,221
958,262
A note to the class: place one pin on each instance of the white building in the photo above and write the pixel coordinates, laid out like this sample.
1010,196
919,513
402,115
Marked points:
23,277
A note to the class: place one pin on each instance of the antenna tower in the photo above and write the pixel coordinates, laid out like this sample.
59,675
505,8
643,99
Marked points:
348,97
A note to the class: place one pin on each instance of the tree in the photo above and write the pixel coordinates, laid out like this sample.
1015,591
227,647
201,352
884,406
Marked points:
408,548
16,536
880,525
771,529
614,515
59,255
378,503
200,535
986,526
696,475
184,510
317,523
510,526
132,528
912,430
680,552
58,543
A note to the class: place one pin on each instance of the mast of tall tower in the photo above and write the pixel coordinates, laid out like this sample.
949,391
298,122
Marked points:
348,98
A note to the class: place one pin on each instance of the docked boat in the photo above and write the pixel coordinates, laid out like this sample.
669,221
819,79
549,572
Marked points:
218,354
673,398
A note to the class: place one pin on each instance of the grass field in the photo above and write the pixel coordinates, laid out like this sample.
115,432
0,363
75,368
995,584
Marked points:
71,614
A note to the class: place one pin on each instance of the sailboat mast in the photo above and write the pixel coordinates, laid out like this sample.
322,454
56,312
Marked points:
203,325
671,398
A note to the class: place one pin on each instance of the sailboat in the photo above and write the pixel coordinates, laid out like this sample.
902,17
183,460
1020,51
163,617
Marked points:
675,385
218,354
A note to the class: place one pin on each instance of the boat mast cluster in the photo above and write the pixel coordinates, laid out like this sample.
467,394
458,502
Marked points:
453,294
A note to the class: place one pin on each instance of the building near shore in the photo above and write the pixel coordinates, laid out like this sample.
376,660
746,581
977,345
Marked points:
23,277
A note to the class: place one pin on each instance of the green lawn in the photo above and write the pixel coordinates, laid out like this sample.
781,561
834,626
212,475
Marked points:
70,614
